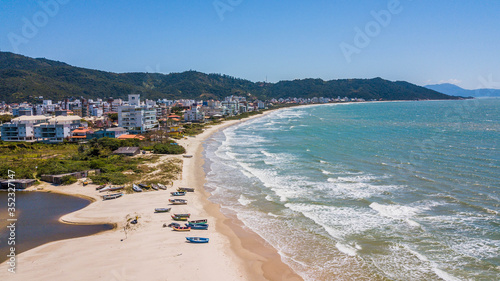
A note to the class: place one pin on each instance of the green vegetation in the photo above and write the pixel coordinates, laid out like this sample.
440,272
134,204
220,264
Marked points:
4,118
31,160
67,180
193,129
24,79
168,148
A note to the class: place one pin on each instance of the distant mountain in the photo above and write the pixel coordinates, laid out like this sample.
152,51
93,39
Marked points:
25,79
454,90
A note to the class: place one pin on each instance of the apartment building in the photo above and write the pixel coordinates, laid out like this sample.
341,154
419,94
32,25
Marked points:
137,118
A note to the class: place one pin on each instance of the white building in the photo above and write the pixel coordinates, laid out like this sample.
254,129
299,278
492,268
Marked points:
194,115
21,128
56,129
137,118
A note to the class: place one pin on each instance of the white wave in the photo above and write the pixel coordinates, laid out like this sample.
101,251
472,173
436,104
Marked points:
327,173
444,275
269,198
412,223
244,200
346,249
417,254
394,211
339,222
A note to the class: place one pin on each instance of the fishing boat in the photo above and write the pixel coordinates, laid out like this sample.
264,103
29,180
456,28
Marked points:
100,187
177,193
116,188
182,215
162,210
176,218
174,224
107,188
144,186
181,228
185,189
136,188
162,186
154,186
177,201
187,156
197,226
112,196
198,221
197,239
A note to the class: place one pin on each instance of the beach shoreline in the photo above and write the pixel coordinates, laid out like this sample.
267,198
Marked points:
234,252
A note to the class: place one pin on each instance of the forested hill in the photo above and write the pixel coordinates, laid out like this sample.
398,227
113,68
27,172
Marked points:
24,79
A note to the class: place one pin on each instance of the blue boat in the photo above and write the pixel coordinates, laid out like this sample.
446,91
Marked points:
197,239
197,226
178,193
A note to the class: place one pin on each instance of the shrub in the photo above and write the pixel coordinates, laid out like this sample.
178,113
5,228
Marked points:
169,149
67,180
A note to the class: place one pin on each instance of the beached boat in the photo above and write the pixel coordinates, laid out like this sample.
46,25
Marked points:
185,189
197,239
198,221
177,201
197,226
182,215
187,156
154,186
174,224
181,228
162,210
144,186
175,218
162,186
177,193
107,188
100,187
116,188
136,188
112,196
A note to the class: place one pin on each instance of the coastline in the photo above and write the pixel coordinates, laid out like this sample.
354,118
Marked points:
148,251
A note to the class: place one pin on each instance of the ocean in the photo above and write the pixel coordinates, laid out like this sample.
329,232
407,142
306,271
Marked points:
368,191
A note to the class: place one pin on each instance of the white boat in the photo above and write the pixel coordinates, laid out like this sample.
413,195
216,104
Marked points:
136,188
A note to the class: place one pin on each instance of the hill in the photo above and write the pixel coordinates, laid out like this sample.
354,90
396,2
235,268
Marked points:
454,90
25,79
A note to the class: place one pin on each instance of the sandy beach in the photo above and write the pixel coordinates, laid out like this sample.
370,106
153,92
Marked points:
147,250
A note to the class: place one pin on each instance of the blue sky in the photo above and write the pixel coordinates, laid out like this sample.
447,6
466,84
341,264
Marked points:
420,41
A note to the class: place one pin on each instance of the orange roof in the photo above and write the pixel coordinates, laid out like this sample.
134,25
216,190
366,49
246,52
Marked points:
131,137
175,119
78,137
81,130
174,116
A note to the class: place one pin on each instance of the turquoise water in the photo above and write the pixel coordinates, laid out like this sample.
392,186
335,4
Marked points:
369,191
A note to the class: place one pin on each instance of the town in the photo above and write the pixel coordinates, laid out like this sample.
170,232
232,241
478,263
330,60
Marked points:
80,119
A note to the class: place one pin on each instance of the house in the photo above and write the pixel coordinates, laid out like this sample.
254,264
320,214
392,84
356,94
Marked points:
57,128
57,179
108,133
80,134
22,128
194,115
128,151
137,118
17,184
125,137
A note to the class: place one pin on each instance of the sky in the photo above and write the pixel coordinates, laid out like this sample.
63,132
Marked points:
419,41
